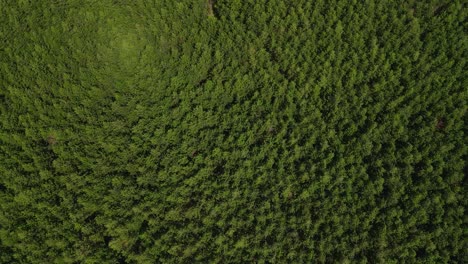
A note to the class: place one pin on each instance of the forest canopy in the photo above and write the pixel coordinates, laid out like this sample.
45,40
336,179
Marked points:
229,131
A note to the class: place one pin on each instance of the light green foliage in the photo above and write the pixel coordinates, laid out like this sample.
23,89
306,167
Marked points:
228,131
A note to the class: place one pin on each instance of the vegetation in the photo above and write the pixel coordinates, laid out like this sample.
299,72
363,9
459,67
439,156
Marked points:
229,131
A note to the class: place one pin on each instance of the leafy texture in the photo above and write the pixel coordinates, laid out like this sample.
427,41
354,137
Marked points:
228,131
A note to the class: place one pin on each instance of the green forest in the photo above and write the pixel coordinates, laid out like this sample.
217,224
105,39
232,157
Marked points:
233,131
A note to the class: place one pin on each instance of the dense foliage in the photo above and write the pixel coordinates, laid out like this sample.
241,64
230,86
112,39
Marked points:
229,131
